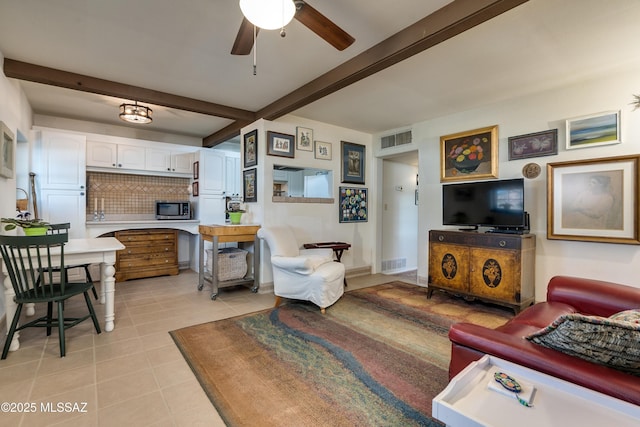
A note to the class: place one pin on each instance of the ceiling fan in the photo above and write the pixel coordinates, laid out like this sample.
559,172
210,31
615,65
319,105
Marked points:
307,16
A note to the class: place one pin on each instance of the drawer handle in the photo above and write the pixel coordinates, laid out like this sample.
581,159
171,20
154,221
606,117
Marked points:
502,243
441,238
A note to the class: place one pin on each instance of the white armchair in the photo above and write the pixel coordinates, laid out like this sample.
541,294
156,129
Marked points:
303,274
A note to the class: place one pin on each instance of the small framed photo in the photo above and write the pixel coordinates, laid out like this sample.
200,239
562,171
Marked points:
594,130
594,200
353,162
469,155
280,144
353,204
196,170
250,185
322,150
7,152
304,139
536,144
195,190
250,148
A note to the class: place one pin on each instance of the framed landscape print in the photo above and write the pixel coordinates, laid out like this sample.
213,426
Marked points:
353,159
353,205
304,139
594,200
7,152
250,185
536,144
594,130
280,144
469,155
322,150
250,148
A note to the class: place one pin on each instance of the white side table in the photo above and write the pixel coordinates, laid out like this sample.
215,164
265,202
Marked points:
468,402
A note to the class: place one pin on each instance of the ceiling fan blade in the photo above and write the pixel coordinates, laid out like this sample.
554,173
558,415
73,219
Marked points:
322,26
244,39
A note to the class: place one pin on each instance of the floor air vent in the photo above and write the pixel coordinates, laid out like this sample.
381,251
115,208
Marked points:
394,265
395,140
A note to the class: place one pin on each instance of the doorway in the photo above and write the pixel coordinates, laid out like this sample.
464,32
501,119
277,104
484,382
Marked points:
400,182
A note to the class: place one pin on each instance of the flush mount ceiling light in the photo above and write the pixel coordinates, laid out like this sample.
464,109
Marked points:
134,113
268,14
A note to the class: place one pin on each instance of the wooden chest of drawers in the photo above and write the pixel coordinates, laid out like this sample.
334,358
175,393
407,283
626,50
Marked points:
148,253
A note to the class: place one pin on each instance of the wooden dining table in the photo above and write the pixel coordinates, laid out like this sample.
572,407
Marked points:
98,250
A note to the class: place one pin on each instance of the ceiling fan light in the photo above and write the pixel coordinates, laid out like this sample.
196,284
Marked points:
268,14
134,113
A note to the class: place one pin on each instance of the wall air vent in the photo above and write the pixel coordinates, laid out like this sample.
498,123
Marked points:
395,140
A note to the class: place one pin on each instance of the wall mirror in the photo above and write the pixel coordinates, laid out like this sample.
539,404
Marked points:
295,182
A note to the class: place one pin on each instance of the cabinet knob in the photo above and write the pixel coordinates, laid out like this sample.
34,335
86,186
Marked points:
502,243
82,193
119,165
441,238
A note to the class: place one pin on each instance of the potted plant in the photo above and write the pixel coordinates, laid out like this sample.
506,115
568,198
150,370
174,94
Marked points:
31,227
235,212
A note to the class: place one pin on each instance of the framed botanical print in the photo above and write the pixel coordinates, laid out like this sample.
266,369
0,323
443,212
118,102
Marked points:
7,152
304,139
280,144
594,200
250,148
353,162
536,144
250,185
469,155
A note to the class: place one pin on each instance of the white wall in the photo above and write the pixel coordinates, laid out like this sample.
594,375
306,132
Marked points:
312,222
16,113
548,110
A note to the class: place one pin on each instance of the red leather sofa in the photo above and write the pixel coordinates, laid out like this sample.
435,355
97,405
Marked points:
565,295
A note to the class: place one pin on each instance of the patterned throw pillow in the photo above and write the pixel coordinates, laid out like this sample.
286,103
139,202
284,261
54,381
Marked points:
613,342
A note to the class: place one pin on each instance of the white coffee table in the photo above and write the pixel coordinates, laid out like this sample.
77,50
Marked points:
468,402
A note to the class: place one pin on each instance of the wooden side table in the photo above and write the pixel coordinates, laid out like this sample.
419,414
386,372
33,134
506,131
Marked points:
338,249
223,234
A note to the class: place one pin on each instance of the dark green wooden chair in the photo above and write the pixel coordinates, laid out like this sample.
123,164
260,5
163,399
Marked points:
31,263
64,228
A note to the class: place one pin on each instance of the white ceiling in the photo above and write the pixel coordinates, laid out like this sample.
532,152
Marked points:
183,48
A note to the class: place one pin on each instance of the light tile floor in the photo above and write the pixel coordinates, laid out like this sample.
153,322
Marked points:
134,375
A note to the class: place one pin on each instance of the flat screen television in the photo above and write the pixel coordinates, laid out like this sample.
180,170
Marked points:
498,204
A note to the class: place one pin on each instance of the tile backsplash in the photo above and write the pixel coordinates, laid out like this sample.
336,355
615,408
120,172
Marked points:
132,194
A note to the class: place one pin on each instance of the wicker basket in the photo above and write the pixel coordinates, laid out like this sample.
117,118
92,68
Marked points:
232,263
22,204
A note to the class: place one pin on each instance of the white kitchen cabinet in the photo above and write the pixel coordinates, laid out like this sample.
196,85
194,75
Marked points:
59,161
165,160
233,175
211,171
115,156
182,163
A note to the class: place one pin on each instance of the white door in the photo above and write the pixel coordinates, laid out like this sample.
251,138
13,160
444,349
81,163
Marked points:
157,160
62,161
102,154
182,163
211,171
60,206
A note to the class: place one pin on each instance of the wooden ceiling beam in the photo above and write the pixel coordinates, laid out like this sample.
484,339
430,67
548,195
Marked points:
444,24
50,76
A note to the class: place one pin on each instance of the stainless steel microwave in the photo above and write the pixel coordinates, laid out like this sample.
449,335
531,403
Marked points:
173,210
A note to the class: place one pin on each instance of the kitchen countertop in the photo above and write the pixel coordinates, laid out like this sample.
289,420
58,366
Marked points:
97,228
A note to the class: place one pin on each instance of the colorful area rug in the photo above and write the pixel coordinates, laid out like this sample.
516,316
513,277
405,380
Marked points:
376,358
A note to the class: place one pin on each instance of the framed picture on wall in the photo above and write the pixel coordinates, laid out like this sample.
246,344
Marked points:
196,170
280,144
250,148
594,130
195,189
304,139
353,205
7,152
536,144
353,162
250,185
469,155
322,150
594,200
